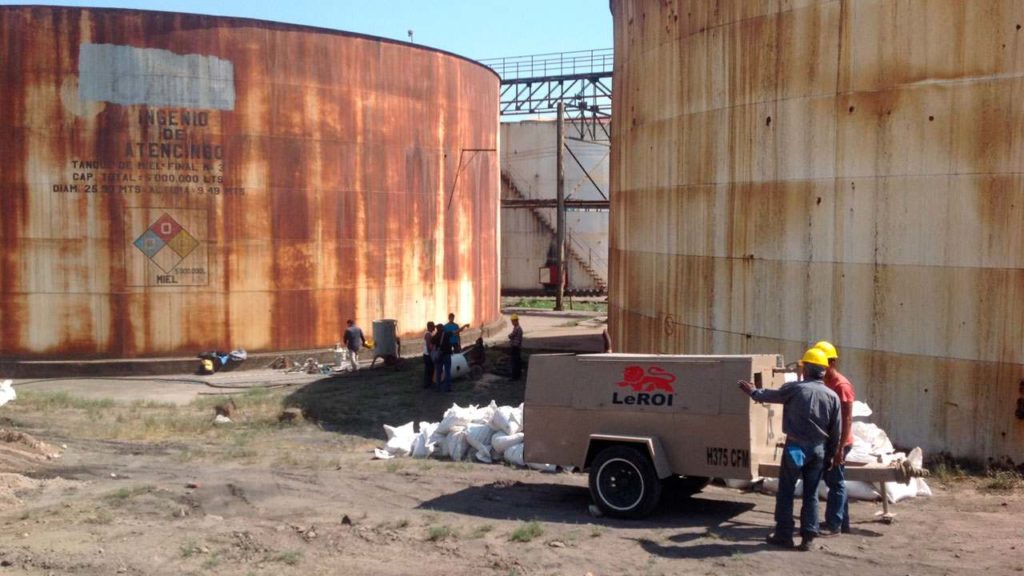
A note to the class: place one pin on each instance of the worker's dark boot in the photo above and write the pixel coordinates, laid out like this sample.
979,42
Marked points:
806,543
780,541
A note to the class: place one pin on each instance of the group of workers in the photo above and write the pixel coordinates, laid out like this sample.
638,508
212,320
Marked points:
817,418
441,341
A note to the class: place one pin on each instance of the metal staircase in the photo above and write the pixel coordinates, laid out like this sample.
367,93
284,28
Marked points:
571,251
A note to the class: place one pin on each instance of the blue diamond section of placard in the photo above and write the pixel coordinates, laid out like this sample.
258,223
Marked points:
149,243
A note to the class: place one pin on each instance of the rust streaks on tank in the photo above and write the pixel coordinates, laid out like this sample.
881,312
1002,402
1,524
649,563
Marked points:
271,180
787,172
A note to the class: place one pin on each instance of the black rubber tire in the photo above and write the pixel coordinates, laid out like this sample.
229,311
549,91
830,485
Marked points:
684,486
623,482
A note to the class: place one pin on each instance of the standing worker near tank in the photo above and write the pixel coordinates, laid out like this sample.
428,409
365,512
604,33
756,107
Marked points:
353,341
429,354
810,420
515,341
837,507
454,332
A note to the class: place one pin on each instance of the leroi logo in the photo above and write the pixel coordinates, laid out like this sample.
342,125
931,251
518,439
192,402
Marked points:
651,387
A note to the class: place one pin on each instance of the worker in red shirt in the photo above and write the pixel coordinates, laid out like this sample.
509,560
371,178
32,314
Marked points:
837,507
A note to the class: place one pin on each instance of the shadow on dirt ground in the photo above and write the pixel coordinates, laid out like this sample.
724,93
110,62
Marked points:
361,402
562,503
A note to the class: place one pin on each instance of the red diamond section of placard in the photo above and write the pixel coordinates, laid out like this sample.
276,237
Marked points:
166,228
183,243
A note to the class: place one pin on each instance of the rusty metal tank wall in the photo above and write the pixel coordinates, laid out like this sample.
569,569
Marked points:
174,183
784,172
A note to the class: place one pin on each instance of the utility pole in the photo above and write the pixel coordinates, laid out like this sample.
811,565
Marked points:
560,199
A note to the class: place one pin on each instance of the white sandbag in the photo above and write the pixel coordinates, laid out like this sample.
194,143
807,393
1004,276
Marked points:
869,438
501,441
897,491
457,445
7,392
440,442
485,414
517,415
400,439
454,416
923,490
514,455
423,446
403,430
740,484
916,457
419,447
857,490
382,454
505,420
861,409
400,445
479,437
483,456
771,486
551,468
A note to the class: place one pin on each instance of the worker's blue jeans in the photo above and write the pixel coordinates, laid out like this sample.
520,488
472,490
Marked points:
799,462
837,507
446,364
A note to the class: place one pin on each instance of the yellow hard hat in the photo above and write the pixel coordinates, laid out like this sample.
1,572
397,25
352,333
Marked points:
815,356
515,317
830,351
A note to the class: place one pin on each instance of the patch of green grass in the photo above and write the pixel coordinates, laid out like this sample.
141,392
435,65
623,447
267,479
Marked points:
395,525
543,303
527,532
1003,480
480,531
439,533
121,495
60,400
189,548
289,557
212,561
947,471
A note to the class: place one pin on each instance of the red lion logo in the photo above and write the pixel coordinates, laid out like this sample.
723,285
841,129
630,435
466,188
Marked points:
656,379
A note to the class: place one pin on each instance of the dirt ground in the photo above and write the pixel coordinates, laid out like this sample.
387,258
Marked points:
154,487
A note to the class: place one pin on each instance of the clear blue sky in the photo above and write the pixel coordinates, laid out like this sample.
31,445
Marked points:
477,29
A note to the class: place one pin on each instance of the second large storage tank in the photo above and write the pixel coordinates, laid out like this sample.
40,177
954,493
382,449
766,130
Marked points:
787,172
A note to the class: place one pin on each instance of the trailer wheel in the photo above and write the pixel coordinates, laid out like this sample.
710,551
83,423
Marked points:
684,486
623,482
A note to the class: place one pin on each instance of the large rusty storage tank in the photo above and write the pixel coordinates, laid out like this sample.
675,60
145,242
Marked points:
176,182
784,172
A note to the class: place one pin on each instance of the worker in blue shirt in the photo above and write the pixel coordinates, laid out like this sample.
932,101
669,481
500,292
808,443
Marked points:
811,422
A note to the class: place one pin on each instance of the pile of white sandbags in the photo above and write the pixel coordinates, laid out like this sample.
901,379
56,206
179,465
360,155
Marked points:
484,434
871,445
7,392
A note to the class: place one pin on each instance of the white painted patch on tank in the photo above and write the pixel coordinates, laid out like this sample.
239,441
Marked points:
128,75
